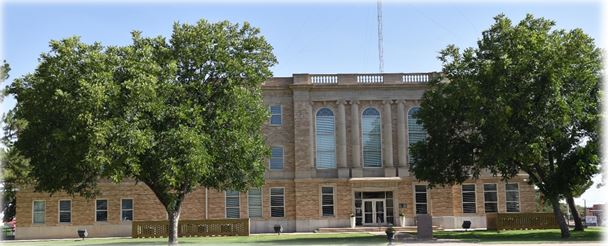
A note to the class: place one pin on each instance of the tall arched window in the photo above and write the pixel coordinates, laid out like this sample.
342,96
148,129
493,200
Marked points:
370,134
415,131
325,139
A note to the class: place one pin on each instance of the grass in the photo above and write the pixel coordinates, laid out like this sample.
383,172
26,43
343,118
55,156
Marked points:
551,235
592,234
256,239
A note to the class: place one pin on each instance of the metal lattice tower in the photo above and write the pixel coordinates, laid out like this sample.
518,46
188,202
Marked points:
380,38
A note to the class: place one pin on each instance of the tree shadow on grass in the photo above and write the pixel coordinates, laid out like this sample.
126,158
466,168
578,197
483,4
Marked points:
371,240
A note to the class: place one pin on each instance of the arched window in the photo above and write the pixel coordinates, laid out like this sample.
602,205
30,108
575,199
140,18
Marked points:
415,131
370,134
325,139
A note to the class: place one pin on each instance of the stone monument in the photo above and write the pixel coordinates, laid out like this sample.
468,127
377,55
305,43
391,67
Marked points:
424,225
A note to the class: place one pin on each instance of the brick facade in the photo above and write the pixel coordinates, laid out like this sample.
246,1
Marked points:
300,98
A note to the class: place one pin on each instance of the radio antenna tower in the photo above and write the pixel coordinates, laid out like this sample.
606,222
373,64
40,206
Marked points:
380,39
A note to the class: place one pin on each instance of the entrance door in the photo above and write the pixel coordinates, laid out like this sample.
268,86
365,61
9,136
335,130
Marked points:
374,212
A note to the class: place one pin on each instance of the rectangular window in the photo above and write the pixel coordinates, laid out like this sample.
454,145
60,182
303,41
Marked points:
38,212
276,158
468,198
276,115
490,197
327,199
101,210
277,202
421,199
512,191
65,211
254,197
126,209
233,203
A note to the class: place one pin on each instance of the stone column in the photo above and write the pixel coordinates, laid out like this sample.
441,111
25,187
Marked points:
401,139
311,137
343,171
356,141
389,170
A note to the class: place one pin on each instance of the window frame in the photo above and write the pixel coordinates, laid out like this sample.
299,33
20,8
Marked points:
507,199
333,198
59,211
106,210
362,142
280,114
462,191
426,191
238,196
261,196
34,212
122,220
484,197
270,201
282,158
335,161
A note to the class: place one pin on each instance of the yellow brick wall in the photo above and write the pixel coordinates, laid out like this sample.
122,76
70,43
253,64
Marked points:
303,204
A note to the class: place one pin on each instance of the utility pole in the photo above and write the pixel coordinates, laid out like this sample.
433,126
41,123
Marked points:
380,38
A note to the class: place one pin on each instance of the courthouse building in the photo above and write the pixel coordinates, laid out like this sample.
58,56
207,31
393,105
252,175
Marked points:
339,146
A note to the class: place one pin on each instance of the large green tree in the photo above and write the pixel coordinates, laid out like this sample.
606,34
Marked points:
8,177
525,99
174,114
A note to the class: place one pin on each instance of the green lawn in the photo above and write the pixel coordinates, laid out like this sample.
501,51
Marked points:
266,239
552,235
521,236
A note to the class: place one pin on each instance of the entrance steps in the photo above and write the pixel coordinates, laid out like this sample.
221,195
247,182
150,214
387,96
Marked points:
371,229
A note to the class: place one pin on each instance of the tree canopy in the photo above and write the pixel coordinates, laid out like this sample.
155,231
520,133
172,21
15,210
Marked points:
525,99
174,114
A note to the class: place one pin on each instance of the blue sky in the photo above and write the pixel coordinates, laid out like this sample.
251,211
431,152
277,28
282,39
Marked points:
307,38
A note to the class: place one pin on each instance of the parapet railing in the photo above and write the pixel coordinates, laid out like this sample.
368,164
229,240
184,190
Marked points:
365,79
191,228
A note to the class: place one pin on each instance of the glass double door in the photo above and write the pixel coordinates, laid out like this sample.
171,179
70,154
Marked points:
374,211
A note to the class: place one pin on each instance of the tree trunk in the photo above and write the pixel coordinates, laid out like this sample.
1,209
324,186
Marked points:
559,218
578,224
173,225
